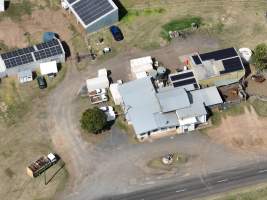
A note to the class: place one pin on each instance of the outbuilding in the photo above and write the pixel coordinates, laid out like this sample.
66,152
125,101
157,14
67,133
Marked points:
2,5
140,66
114,90
48,68
101,82
25,76
93,14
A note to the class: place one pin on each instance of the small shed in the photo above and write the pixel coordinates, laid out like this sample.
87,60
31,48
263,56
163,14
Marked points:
2,5
115,93
97,83
25,76
48,68
141,65
102,72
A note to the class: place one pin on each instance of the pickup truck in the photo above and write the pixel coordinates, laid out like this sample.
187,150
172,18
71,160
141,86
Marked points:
97,92
98,99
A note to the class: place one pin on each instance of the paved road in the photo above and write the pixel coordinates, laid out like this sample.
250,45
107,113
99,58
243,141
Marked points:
202,186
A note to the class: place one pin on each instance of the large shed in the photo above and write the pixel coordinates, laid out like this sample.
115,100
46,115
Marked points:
93,14
30,58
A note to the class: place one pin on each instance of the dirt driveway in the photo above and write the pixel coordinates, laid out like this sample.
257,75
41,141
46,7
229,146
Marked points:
246,132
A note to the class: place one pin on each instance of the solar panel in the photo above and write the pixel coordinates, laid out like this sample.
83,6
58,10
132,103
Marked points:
196,59
219,55
18,60
231,65
184,82
48,44
48,52
90,10
181,76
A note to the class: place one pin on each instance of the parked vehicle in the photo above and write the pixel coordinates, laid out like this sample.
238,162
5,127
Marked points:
41,165
106,108
116,33
41,82
98,99
109,111
97,92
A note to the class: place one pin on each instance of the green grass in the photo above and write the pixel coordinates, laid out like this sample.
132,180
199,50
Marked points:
3,46
258,194
179,25
133,14
260,107
17,10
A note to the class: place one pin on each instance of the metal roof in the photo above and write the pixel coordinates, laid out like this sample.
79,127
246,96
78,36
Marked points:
90,11
171,99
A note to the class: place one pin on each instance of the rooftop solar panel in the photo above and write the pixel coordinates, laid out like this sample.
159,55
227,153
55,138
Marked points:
219,55
196,59
90,10
181,76
184,82
71,1
48,44
231,65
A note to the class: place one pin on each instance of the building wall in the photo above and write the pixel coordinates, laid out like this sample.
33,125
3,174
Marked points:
226,77
104,22
2,5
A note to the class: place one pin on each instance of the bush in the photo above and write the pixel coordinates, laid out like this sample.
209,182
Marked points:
93,120
259,57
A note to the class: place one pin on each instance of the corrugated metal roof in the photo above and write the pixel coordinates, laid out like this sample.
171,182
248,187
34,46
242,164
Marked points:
171,99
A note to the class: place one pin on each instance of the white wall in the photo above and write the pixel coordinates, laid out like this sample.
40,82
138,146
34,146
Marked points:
2,5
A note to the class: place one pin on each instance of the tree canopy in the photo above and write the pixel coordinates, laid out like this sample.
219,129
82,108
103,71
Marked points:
259,57
93,120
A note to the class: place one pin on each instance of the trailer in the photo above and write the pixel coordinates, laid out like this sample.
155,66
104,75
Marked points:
42,164
97,92
98,99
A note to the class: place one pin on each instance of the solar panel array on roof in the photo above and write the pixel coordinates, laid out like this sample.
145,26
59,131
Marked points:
196,59
90,10
26,55
185,82
219,55
181,76
71,1
232,64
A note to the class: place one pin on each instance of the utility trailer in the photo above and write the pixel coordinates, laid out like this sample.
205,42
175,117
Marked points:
97,92
98,99
41,165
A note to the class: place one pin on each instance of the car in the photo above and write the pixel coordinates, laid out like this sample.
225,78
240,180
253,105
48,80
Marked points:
106,108
41,82
116,33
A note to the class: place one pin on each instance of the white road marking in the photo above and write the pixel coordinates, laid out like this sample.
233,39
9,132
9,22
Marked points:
223,180
177,191
262,171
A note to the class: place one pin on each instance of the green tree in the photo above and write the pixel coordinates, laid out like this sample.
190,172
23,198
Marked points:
93,120
259,57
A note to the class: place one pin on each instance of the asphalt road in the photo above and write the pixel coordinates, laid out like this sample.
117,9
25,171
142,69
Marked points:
202,186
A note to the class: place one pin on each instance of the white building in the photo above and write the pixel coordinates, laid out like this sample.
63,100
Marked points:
141,66
114,90
48,68
2,5
101,82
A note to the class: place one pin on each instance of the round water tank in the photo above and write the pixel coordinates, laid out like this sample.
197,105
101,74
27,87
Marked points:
161,71
48,36
153,73
245,53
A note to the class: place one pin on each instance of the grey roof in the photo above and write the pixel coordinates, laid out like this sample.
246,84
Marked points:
24,73
171,99
140,104
165,120
210,96
89,11
197,108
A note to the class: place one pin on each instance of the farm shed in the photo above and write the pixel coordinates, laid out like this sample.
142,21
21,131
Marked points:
31,57
97,83
48,68
221,67
93,14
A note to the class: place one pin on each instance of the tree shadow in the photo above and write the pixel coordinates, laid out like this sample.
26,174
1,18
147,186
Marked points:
122,10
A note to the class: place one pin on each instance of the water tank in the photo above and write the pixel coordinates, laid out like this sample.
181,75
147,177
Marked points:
161,72
153,73
245,53
48,36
